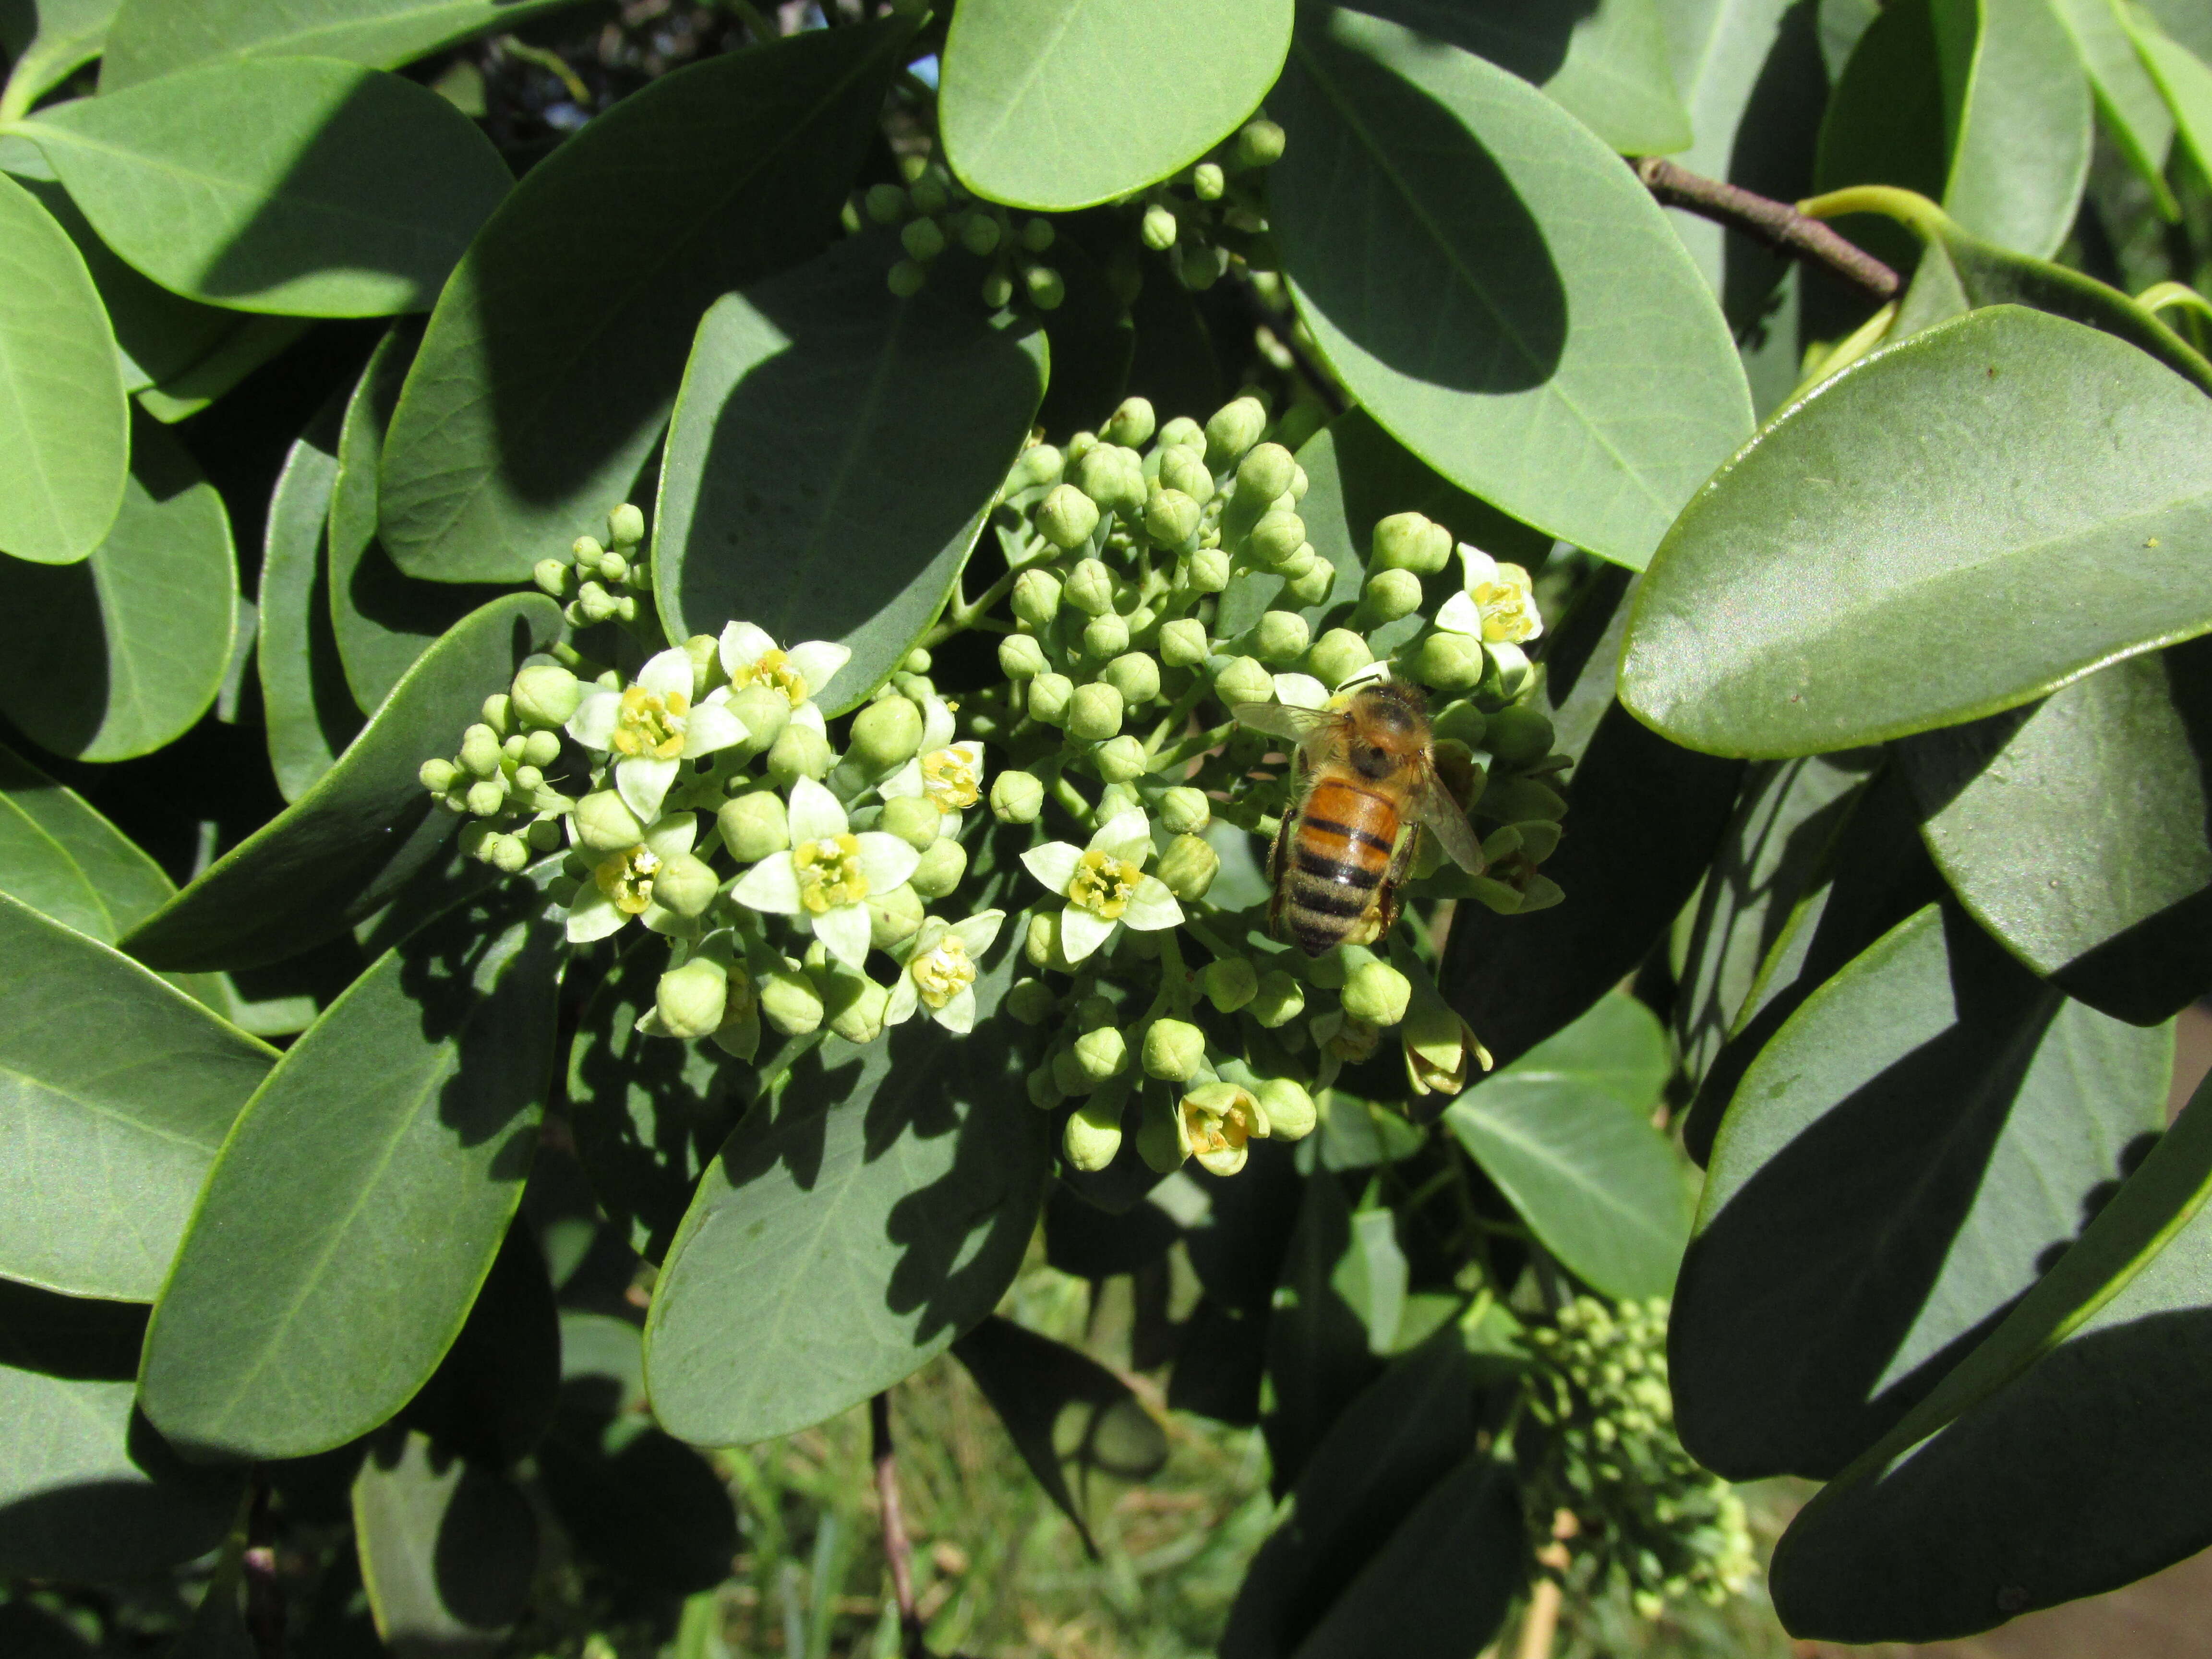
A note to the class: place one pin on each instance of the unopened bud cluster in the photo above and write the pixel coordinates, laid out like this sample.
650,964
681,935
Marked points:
602,581
1212,210
934,216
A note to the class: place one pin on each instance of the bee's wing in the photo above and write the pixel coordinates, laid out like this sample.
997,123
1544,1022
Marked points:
1440,815
1285,719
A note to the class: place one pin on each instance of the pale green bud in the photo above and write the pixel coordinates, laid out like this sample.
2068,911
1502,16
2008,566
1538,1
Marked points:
1515,800
1183,469
1066,517
1182,433
997,290
1069,1075
1092,1137
1037,594
1081,444
922,239
1105,636
1230,983
1020,656
1199,265
1410,541
1337,654
1048,698
1188,866
586,552
686,884
894,916
1113,478
437,776
487,796
1291,1111
1171,518
1183,643
507,854
541,749
1036,235
1276,539
1210,569
886,733
1090,587
692,999
1041,944
552,577
1135,676
480,750
764,711
1046,287
1377,992
979,235
595,604
1299,483
906,278
1206,182
1460,723
511,750
1519,736
1103,1052
855,1006
912,819
1174,1049
625,525
1314,584
1281,637
1157,229
1449,662
1266,473
1031,1001
790,1002
753,826
886,203
800,751
1243,680
944,861
1130,425
927,191
605,824
1280,999
1116,798
1044,1093
1017,798
1234,429
1185,810
1390,594
1120,759
1040,465
1094,1012
1259,143
1094,714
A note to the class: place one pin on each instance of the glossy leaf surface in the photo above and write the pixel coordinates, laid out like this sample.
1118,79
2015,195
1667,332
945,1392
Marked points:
2128,97
46,42
310,715
63,860
151,37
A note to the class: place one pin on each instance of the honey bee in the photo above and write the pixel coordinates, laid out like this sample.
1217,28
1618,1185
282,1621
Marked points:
1365,779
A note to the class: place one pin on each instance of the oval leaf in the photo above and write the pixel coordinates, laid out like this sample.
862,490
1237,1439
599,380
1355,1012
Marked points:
64,423
834,454
350,193
158,37
448,1548
1063,104
2011,479
1486,218
310,715
63,860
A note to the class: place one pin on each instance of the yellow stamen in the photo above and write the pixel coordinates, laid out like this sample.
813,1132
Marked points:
1104,884
944,971
830,872
626,878
775,670
651,724
949,781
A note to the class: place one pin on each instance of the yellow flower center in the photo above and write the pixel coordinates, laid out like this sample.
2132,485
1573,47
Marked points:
944,971
830,872
651,724
1508,606
1104,884
626,878
948,779
773,670
1218,1128
1355,1040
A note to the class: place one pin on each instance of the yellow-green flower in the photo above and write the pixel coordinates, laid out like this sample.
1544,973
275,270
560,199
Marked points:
941,971
1498,605
1215,1122
828,873
1104,883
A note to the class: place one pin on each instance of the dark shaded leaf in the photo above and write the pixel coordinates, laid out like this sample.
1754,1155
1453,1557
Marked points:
448,1548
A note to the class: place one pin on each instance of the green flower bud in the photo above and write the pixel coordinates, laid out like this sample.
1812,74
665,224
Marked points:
917,661
1171,518
944,861
685,884
1103,1052
1113,478
800,751
912,819
1069,1075
595,604
1135,676
1449,662
1044,1093
1281,637
1409,541
894,916
1048,698
764,711
1210,569
1041,945
1031,1001
1206,182
437,776
1281,999
541,749
1016,798
1516,799
1116,798
1183,643
510,752
927,192
1291,1111
1046,286
1199,266
1092,1137
1377,992
551,576
1037,592
1174,1049
1182,433
1519,736
487,796
1390,594
1036,235
1276,539
1338,655
1266,473
997,290
1241,680
1230,983
604,825
1185,810
1094,714
586,552
1460,723
1158,228
1090,587
625,525
1105,636
1020,656
980,234
906,279
1259,143
790,1002
753,826
692,999
855,1005
886,733
1183,471
1188,866
1079,445
1299,482
1120,759
1314,583
1131,424
480,750
507,854
886,203
1234,429
922,239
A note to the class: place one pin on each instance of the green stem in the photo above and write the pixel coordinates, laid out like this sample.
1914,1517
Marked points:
1193,747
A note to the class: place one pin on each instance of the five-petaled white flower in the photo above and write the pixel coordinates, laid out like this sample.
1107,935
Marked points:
941,971
827,877
652,727
948,775
750,657
1497,605
620,886
1104,883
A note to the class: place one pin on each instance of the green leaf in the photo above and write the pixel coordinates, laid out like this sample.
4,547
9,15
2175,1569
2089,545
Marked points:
351,193
849,1234
108,1141
64,423
1486,219
240,350
1064,104
53,40
2183,81
448,1548
1064,1410
2128,99
1565,1132
1895,1171
154,36
1604,61
87,1491
63,859
494,1396
532,404
120,653
1870,529
357,1205
311,718
352,842
834,454
1318,1355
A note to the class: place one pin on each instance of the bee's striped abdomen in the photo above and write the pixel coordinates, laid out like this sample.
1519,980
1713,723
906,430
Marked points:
1338,858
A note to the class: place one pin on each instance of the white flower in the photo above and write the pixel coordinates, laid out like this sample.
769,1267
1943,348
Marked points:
750,657
1214,1122
621,884
1498,605
827,876
1104,883
950,774
652,727
1301,691
941,971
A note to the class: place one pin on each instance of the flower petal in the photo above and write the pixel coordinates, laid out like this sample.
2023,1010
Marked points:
593,916
676,833
932,929
937,726
649,1023
593,725
643,784
959,1014
1481,568
1301,691
886,861
1124,835
742,646
1226,1162
771,885
980,931
710,727
843,931
906,780
1082,931
1151,907
667,671
1054,863
1460,614
660,918
817,662
904,1001
808,715
815,814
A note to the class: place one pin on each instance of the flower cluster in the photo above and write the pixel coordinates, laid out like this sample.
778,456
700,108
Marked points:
1643,1511
1213,209
934,215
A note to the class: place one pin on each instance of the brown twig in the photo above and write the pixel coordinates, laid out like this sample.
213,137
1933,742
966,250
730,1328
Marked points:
1777,224
264,1595
897,1548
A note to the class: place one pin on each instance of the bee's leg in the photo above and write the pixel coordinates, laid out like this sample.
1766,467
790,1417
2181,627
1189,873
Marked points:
1388,904
1278,860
